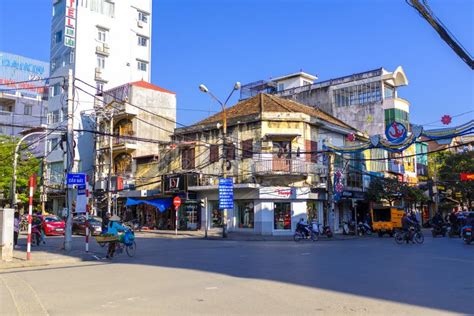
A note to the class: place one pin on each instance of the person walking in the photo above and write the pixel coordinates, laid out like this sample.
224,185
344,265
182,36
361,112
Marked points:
113,228
16,229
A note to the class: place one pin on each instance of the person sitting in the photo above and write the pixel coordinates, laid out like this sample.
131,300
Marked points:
302,227
113,228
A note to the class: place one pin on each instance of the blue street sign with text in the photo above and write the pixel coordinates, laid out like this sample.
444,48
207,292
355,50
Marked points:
76,179
226,193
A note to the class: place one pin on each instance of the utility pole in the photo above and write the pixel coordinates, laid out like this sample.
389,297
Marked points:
111,161
330,204
69,160
224,166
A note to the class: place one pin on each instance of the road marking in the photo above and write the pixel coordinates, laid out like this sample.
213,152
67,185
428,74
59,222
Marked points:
211,288
96,258
306,253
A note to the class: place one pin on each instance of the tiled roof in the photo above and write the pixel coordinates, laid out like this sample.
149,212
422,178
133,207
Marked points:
269,103
147,85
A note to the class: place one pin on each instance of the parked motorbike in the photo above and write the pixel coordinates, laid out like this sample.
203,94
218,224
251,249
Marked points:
439,230
325,230
348,228
467,234
364,229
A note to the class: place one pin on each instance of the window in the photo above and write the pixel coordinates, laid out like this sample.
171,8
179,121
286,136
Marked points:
142,65
247,148
53,143
101,35
312,147
187,158
142,41
244,212
58,37
216,214
56,89
398,115
104,7
55,63
28,109
100,87
281,87
142,16
366,93
354,176
389,91
123,163
54,117
58,7
213,153
100,62
230,153
282,215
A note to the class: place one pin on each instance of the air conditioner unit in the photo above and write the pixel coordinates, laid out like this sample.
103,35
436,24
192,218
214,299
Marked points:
139,24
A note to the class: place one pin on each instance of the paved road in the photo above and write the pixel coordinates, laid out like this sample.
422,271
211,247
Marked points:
215,277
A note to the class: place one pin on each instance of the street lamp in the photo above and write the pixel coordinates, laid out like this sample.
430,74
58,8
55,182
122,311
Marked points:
204,89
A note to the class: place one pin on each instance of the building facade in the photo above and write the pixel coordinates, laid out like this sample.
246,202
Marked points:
137,133
274,156
106,44
23,95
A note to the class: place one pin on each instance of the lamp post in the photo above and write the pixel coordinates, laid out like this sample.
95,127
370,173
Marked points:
204,89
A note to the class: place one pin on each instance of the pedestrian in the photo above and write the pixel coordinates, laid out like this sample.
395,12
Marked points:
113,228
16,229
105,222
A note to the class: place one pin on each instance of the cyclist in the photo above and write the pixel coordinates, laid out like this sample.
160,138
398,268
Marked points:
113,228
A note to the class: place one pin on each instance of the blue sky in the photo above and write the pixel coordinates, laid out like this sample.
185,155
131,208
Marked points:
218,42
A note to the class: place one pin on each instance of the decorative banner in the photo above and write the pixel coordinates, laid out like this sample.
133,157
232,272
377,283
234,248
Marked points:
396,133
338,185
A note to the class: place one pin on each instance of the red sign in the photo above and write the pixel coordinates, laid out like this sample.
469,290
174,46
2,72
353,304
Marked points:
467,176
177,201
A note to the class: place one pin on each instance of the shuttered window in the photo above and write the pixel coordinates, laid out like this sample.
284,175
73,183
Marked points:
247,148
213,153
312,151
230,152
187,158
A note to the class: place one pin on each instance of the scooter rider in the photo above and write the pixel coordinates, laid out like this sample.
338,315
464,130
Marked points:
406,224
437,220
302,227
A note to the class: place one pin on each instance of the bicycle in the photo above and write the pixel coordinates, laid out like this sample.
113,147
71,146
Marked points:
127,242
416,236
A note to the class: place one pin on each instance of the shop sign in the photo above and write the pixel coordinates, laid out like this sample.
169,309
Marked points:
81,200
284,193
70,24
226,193
174,183
467,176
396,133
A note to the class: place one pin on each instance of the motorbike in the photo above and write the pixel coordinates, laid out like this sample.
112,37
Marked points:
305,232
439,230
348,228
467,234
325,230
36,234
364,229
454,231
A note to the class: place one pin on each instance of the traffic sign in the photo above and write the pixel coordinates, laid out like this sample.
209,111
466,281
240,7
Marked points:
177,201
76,179
226,193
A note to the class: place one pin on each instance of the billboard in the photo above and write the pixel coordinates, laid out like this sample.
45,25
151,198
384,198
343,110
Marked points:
15,68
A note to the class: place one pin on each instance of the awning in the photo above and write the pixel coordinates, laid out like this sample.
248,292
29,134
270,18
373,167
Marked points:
161,204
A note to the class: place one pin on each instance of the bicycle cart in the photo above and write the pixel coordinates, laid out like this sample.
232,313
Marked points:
124,241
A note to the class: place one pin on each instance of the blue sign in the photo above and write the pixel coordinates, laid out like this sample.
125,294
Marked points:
396,133
226,193
76,179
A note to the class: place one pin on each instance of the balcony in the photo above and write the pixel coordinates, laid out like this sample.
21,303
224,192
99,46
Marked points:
124,109
295,167
123,144
396,166
98,74
102,49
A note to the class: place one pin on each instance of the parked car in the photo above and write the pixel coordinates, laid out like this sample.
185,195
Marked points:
52,225
79,225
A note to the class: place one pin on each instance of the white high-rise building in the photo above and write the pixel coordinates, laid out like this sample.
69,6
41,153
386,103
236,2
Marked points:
106,43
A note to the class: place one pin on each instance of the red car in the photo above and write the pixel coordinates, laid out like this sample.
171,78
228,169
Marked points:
53,225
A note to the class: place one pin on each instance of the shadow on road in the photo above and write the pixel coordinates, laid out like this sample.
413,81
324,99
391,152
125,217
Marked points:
438,274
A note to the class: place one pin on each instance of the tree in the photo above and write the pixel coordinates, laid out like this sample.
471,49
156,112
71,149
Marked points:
450,166
27,165
384,189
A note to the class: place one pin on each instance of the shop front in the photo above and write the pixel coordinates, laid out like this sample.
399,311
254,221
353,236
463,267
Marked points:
352,206
262,210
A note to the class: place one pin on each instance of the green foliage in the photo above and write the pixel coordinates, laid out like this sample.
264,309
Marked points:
27,165
450,166
391,190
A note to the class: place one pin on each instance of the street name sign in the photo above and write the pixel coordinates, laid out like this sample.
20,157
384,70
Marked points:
76,179
226,193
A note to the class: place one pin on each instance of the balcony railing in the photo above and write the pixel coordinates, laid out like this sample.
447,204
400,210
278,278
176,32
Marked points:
288,167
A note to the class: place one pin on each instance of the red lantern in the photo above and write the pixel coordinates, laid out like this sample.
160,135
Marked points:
446,119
